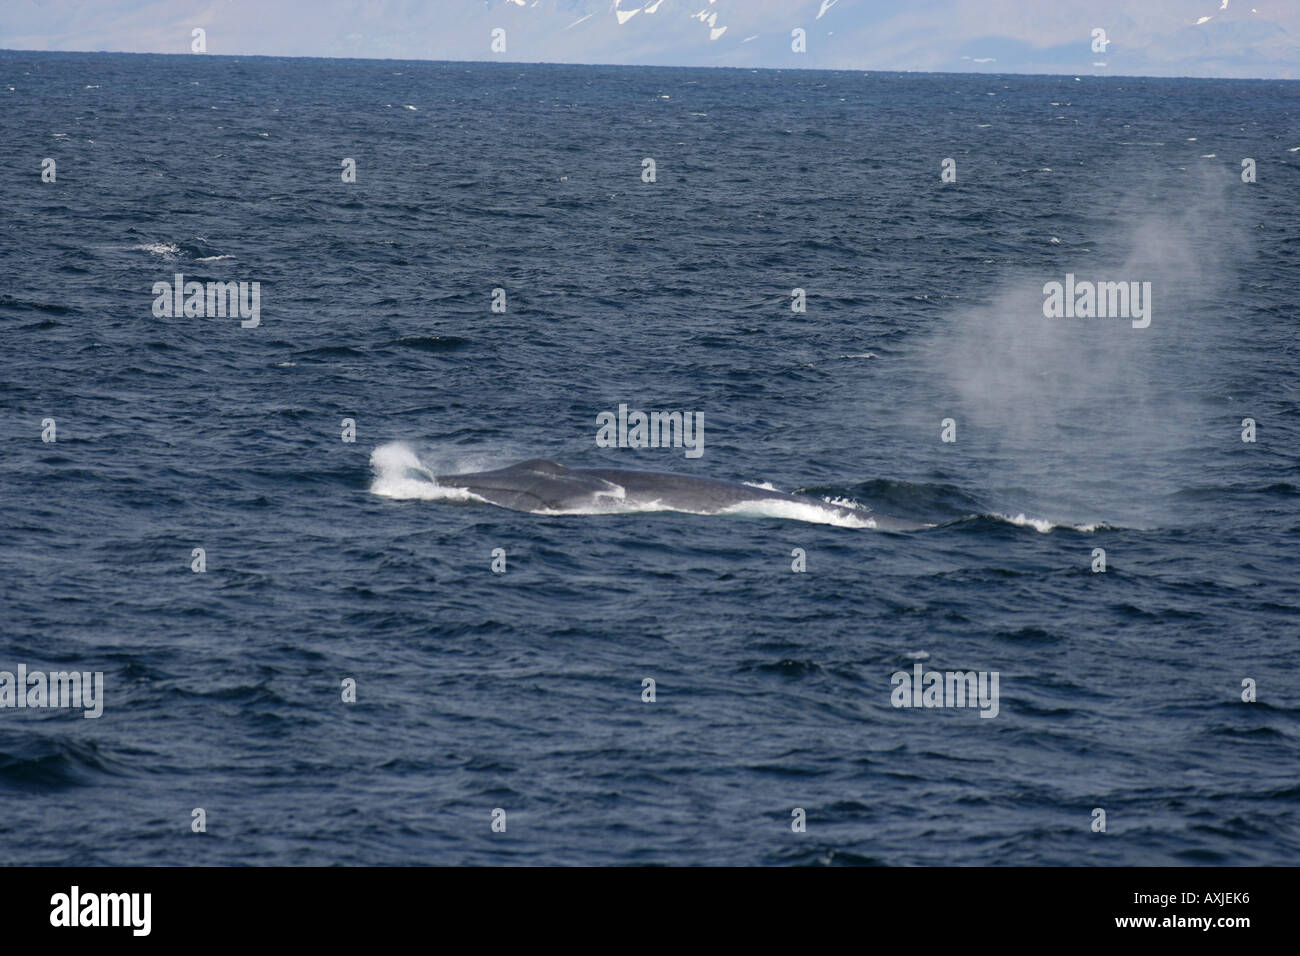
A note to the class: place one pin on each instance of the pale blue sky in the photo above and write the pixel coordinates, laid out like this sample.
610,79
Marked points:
1239,38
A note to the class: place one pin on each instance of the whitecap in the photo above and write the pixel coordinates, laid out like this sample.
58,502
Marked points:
1041,525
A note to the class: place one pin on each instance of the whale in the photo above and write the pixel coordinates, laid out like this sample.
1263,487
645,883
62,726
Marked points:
541,486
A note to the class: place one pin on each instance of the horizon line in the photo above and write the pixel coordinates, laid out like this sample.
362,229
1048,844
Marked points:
657,66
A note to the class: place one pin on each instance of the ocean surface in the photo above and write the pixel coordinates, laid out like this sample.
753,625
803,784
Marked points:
327,560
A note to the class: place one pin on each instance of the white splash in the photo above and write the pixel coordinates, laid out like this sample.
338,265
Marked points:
810,512
1043,526
167,250
400,474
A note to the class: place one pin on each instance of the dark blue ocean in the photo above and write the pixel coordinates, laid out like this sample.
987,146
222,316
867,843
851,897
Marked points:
329,560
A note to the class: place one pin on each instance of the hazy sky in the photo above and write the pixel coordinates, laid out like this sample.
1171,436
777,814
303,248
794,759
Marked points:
1240,38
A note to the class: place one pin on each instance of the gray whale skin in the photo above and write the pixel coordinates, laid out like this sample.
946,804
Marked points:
541,485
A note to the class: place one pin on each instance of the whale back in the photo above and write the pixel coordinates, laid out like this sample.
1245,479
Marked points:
534,485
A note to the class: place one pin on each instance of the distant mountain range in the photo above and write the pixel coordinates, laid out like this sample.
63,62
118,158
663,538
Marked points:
1226,38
